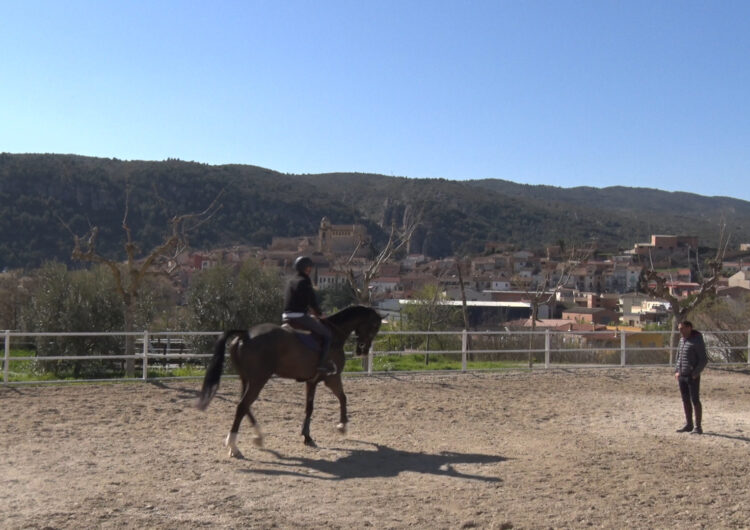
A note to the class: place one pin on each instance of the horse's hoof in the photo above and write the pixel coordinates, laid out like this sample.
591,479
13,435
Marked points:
258,441
235,453
341,427
309,442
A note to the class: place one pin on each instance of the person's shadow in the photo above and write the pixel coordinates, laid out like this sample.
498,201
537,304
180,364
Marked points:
382,462
728,436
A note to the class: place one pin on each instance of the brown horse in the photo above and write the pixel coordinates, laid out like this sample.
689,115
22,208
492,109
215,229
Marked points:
269,349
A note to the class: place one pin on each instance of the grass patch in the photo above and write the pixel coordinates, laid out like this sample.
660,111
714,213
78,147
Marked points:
416,362
28,371
189,370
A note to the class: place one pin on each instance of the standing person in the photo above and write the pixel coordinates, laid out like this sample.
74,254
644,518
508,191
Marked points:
691,360
299,301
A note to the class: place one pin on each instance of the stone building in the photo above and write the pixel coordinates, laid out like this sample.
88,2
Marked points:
342,239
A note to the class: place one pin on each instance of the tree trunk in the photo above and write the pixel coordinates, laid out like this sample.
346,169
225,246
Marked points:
534,312
671,339
465,309
129,340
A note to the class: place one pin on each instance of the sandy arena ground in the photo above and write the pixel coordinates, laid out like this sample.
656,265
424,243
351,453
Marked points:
557,449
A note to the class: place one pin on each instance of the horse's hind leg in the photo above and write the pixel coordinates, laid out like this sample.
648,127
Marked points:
309,399
334,383
257,435
250,392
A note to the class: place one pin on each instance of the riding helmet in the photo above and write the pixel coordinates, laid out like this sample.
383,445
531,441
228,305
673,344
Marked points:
302,263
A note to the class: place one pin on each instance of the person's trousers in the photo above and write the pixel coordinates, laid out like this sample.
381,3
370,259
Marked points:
690,392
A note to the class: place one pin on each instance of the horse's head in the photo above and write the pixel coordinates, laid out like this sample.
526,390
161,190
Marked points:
366,331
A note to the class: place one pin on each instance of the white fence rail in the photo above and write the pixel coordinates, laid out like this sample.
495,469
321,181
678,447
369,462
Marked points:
524,348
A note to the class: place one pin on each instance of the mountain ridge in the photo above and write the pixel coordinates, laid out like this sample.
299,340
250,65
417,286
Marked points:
41,193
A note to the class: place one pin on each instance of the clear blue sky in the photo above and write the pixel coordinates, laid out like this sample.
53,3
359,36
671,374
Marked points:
567,93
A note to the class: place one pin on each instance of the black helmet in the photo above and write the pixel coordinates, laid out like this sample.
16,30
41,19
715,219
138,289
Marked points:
301,263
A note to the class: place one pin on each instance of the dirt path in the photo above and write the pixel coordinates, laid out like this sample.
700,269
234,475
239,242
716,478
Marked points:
545,450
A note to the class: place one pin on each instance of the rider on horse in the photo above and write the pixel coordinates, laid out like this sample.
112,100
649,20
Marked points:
299,301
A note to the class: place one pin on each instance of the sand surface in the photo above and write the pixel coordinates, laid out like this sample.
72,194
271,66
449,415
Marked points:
549,449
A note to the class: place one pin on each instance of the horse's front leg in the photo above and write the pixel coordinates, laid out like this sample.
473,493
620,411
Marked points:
334,383
309,399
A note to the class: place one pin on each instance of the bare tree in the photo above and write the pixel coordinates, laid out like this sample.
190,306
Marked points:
658,285
549,283
130,275
726,315
464,308
397,240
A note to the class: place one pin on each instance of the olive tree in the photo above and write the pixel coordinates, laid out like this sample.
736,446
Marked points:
429,311
225,297
70,301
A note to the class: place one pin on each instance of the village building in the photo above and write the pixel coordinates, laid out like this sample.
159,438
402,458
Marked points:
740,279
665,243
589,315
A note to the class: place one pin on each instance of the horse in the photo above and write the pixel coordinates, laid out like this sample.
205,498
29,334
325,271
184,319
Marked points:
268,349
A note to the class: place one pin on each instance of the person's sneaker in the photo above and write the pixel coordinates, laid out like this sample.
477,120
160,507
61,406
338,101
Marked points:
697,430
686,428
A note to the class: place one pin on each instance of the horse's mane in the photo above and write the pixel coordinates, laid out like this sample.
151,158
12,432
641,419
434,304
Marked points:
350,313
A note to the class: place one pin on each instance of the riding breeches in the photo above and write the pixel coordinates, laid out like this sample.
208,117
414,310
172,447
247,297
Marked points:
317,327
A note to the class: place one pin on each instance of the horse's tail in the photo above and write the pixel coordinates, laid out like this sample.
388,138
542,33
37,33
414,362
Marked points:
215,368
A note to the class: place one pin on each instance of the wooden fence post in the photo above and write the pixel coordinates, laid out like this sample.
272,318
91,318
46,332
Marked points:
145,355
6,363
464,343
369,360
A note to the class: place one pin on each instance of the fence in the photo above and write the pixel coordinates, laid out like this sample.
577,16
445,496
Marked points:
79,355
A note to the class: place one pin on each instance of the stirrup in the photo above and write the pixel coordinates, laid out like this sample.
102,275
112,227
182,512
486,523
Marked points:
327,368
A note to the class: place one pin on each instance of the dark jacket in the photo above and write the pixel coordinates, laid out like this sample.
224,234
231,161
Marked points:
300,296
691,355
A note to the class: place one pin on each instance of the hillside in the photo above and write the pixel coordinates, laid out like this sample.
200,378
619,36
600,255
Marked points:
39,192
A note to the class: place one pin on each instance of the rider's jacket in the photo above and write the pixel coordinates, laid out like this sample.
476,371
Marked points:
300,297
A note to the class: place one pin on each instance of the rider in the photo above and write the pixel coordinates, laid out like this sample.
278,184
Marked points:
299,300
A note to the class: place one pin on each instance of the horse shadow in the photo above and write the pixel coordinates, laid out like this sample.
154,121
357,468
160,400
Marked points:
382,462
184,393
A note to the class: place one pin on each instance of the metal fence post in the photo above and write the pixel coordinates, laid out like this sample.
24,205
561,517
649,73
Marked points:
6,363
547,338
464,343
145,355
623,343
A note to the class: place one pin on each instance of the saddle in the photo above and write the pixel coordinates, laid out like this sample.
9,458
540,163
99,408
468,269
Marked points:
307,337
